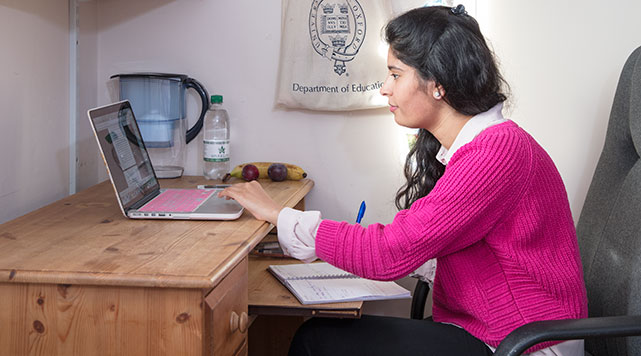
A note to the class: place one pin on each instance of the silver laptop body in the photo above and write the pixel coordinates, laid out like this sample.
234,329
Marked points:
131,172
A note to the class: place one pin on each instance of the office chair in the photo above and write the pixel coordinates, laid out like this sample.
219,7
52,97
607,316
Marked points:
419,297
609,233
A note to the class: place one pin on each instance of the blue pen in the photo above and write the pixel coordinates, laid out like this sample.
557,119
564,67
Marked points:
361,212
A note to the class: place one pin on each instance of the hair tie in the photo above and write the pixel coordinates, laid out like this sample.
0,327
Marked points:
459,10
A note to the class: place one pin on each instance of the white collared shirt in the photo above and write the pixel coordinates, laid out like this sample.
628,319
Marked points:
470,130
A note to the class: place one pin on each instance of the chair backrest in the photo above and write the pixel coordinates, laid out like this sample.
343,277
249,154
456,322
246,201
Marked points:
609,228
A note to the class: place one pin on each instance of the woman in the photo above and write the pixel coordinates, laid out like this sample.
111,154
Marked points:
481,196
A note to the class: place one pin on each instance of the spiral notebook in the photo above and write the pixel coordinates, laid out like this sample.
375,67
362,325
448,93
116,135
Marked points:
318,283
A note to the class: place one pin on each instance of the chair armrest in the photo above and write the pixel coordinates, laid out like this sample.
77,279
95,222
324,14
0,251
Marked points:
533,333
421,290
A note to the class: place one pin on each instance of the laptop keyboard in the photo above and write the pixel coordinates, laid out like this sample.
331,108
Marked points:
178,200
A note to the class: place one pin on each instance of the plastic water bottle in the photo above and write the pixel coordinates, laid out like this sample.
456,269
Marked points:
216,140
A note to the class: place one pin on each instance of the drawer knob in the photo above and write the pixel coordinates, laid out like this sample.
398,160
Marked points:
233,322
243,325
239,323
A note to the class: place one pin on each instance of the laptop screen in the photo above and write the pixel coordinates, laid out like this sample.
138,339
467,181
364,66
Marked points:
124,152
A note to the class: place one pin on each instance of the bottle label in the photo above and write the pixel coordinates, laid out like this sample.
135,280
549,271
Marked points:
216,151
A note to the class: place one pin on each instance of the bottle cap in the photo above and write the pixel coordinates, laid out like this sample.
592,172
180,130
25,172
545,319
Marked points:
216,99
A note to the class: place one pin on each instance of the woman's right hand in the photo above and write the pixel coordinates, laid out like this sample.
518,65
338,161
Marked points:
253,197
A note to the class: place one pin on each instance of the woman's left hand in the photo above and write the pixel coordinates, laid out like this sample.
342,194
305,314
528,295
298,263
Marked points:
253,197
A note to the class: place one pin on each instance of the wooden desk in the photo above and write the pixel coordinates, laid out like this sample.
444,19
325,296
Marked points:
78,278
278,312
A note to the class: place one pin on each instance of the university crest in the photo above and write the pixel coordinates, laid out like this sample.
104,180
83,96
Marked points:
337,30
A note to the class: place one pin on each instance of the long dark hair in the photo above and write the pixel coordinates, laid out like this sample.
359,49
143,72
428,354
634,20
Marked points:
444,45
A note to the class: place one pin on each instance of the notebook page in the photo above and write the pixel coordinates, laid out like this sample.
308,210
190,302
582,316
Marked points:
309,271
319,291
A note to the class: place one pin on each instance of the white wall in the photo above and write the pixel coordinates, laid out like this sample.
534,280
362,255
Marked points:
562,63
89,166
34,104
563,60
232,47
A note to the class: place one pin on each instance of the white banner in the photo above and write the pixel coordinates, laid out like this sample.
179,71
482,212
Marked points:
333,54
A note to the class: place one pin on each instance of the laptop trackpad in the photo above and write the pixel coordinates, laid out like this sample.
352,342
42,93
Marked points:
219,206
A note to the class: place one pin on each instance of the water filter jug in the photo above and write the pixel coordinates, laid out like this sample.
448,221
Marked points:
158,102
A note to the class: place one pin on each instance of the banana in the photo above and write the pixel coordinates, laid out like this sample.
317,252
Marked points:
294,172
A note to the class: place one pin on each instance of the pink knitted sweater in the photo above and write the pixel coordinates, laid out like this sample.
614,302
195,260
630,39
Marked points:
500,225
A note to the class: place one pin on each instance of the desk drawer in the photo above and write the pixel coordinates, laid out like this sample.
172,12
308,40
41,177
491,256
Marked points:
226,320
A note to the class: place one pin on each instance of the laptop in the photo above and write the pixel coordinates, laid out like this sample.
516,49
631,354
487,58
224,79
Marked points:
132,175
